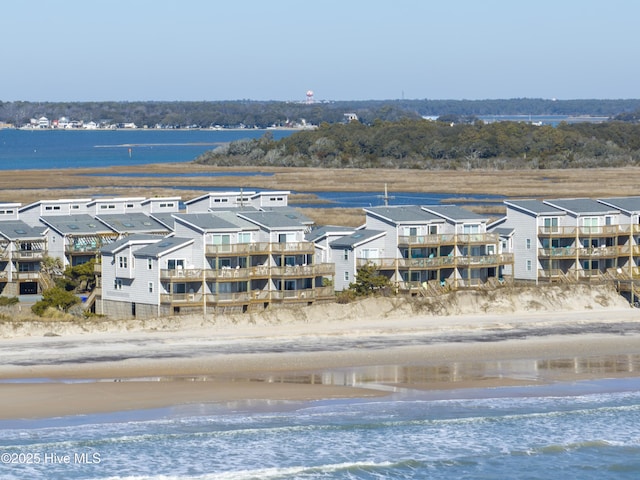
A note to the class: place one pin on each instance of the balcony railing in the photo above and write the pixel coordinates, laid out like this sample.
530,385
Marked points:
435,262
557,231
304,270
601,230
289,247
29,254
557,252
238,248
192,274
433,240
448,239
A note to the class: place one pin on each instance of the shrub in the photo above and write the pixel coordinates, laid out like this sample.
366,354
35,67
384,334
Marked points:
7,301
57,298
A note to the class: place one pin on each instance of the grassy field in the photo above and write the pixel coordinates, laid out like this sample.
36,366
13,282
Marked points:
29,186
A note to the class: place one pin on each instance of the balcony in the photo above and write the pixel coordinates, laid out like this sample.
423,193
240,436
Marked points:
304,270
427,240
291,247
556,231
486,260
238,249
557,252
601,231
190,274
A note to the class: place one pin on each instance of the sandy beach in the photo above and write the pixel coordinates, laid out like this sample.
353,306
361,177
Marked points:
364,349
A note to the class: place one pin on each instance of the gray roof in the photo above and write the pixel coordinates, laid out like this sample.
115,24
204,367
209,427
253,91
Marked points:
535,207
291,211
207,221
82,224
274,219
503,232
454,213
320,232
113,247
132,222
356,238
166,219
17,230
403,214
167,244
628,204
582,206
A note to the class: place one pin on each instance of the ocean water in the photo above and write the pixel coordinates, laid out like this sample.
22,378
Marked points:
583,430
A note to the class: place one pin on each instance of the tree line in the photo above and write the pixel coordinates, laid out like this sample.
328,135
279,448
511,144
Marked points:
423,144
263,114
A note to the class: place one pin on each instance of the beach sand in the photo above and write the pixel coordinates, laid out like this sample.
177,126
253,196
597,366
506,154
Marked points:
366,349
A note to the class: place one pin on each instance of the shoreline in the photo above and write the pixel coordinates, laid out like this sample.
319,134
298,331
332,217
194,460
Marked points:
227,363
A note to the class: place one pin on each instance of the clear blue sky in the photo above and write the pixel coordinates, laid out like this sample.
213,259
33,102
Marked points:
92,50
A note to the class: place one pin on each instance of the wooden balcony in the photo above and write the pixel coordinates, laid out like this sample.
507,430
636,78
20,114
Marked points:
555,231
304,270
601,231
182,274
557,252
436,262
448,239
426,240
238,249
293,247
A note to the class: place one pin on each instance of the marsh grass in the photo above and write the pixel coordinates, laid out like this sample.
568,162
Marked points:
18,186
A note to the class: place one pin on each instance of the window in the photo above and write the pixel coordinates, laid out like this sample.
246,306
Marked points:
244,237
150,287
528,265
551,225
122,261
471,229
528,241
149,263
346,276
118,284
346,254
174,264
129,205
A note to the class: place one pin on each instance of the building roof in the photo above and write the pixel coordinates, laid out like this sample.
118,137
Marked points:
454,213
273,220
357,238
290,211
18,230
504,232
164,246
132,222
628,204
166,219
82,224
403,214
581,206
206,222
534,207
121,243
321,232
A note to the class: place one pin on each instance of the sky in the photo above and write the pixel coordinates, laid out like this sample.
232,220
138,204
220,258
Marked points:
210,50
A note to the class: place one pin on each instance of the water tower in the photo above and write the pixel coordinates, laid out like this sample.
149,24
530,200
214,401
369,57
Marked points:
309,96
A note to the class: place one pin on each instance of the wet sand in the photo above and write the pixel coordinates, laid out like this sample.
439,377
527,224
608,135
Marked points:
107,386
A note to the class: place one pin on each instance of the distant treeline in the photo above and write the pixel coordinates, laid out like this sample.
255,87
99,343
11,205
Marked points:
265,114
423,144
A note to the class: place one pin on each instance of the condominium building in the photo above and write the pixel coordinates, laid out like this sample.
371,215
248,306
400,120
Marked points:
574,239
